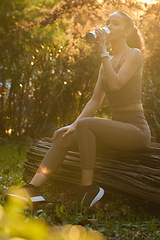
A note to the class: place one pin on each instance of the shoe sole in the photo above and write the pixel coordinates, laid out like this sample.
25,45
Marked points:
33,199
98,196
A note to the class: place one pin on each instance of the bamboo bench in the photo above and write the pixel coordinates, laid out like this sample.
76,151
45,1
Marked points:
133,173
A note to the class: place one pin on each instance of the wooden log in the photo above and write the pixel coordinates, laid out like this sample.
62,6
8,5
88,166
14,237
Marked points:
134,173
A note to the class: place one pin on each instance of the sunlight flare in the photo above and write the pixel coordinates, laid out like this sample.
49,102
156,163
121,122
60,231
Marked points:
149,2
45,170
9,131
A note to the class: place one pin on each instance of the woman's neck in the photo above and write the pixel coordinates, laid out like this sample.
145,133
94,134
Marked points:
119,47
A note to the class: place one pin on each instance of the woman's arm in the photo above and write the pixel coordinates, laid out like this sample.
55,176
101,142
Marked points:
131,64
95,102
91,107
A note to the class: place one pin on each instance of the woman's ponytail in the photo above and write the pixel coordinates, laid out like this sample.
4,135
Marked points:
135,39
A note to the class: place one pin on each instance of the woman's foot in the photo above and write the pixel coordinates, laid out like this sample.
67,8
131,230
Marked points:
89,195
28,193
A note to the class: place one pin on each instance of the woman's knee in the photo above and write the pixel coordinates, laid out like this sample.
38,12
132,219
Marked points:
83,124
64,141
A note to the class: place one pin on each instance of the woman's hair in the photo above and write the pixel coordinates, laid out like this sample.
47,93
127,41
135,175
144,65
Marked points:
135,39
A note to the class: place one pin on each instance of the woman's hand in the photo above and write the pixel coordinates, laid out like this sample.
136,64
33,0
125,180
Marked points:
102,39
67,130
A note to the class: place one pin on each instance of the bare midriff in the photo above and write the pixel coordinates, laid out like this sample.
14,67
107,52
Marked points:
130,107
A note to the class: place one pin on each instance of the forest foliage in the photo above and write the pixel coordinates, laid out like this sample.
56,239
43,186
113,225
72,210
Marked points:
48,71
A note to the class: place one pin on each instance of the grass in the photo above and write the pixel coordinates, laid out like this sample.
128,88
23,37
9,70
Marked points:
115,216
12,158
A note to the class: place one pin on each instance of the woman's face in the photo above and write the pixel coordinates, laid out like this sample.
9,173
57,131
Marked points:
116,25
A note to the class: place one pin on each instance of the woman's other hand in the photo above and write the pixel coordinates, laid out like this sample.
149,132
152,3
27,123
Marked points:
67,130
102,39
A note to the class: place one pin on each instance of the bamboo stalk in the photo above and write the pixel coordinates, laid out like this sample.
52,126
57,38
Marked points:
134,173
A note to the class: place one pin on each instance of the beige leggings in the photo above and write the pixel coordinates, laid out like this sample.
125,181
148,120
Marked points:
127,131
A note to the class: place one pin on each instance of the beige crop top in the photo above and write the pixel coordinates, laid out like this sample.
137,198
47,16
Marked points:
130,93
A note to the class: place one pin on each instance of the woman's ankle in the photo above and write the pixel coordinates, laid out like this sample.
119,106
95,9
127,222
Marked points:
38,179
87,177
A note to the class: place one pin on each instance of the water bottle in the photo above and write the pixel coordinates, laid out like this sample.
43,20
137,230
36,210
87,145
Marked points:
91,37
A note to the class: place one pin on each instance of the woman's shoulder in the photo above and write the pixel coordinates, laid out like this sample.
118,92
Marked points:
135,52
135,55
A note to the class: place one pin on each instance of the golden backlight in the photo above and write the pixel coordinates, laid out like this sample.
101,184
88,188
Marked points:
148,1
142,1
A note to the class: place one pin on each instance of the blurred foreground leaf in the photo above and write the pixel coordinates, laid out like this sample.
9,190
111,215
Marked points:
14,225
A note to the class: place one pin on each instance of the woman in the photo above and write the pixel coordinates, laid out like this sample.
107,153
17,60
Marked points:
120,79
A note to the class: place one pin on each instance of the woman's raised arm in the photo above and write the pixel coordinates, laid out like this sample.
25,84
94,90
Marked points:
91,107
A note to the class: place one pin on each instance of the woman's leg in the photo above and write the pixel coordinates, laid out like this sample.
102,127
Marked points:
49,165
103,134
54,157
